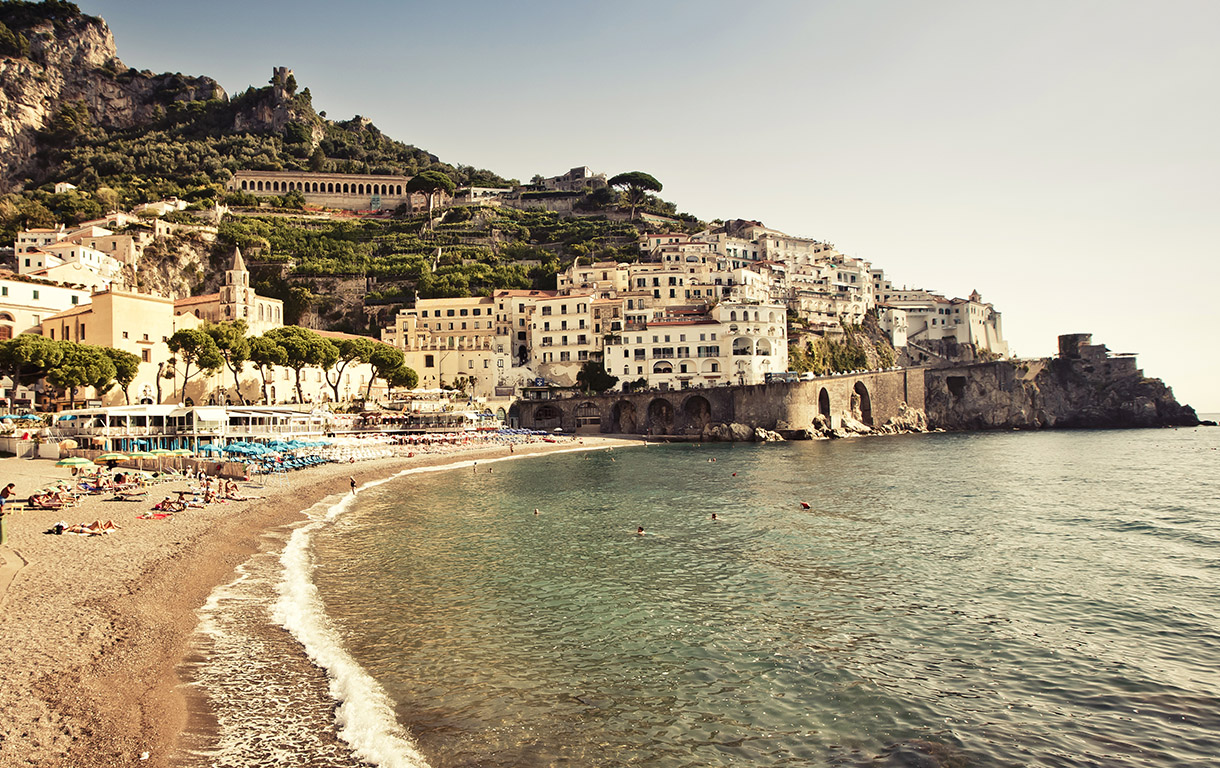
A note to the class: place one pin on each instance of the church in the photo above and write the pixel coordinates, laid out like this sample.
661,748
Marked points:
236,300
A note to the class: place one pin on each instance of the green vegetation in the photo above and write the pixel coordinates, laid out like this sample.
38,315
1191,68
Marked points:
66,365
636,185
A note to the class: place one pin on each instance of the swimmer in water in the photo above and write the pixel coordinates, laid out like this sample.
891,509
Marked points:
639,531
535,510
713,515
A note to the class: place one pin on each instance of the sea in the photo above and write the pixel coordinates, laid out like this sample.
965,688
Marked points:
983,599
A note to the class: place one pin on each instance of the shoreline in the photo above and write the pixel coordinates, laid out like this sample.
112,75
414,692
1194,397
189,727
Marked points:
95,629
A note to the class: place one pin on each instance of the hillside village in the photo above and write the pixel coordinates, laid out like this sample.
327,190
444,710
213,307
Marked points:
332,266
719,306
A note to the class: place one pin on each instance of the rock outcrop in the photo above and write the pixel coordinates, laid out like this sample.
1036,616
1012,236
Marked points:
71,61
1084,387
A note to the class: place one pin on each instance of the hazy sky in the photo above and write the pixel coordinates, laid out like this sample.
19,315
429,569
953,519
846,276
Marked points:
1061,157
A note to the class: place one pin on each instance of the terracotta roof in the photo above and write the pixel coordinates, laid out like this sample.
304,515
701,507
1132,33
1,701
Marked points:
515,292
192,300
342,335
70,312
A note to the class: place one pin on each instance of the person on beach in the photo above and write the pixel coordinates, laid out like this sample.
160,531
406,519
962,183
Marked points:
5,494
353,484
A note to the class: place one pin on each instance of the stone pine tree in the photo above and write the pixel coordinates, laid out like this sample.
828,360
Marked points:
430,183
350,350
126,368
304,349
234,346
266,354
636,185
385,360
192,346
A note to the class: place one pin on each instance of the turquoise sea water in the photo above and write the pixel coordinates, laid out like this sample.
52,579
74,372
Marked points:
983,599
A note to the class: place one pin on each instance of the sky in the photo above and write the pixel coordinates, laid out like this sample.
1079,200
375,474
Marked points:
1063,158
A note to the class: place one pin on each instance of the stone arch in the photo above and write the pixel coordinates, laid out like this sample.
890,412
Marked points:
660,417
824,404
663,366
742,346
733,316
547,416
588,415
260,186
861,404
398,189
623,417
345,189
763,347
697,412
330,188
243,184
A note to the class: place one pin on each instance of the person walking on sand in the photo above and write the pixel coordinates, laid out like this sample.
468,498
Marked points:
5,494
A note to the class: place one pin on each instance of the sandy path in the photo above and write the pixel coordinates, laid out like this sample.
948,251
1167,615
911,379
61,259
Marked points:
92,629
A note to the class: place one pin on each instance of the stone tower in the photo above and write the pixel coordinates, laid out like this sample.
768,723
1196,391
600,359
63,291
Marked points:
236,298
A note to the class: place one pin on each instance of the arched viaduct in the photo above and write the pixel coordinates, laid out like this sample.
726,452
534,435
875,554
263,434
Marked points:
872,398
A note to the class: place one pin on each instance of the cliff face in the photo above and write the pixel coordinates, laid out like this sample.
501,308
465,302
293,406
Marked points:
1059,392
72,60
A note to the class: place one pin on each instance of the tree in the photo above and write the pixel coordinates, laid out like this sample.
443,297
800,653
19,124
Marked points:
266,353
350,350
303,349
384,360
126,368
429,183
637,185
401,377
82,365
592,377
230,338
191,346
28,357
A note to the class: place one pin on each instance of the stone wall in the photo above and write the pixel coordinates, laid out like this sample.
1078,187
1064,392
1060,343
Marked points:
873,399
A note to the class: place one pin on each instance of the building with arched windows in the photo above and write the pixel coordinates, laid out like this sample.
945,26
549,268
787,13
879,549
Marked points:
235,300
345,191
732,343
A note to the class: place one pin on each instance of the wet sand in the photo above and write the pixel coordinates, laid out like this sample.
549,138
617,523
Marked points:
93,628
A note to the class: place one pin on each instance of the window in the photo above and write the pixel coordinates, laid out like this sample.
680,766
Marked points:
124,334
429,361
500,363
4,292
35,290
80,336
146,337
146,355
449,313
463,313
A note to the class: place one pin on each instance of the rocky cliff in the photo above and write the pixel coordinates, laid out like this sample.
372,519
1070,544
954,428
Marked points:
68,60
1075,390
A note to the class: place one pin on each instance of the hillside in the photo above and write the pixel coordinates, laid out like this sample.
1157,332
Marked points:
70,110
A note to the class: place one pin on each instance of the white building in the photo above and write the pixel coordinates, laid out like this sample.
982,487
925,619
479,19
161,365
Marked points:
734,343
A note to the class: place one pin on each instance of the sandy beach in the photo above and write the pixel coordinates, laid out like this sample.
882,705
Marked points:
94,628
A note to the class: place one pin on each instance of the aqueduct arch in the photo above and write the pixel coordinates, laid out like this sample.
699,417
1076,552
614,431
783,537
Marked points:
862,404
697,412
660,417
623,417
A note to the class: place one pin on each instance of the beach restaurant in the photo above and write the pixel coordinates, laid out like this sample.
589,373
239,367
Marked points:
148,427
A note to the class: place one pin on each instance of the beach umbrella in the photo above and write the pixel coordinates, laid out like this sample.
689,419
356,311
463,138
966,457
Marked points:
74,461
111,456
182,452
